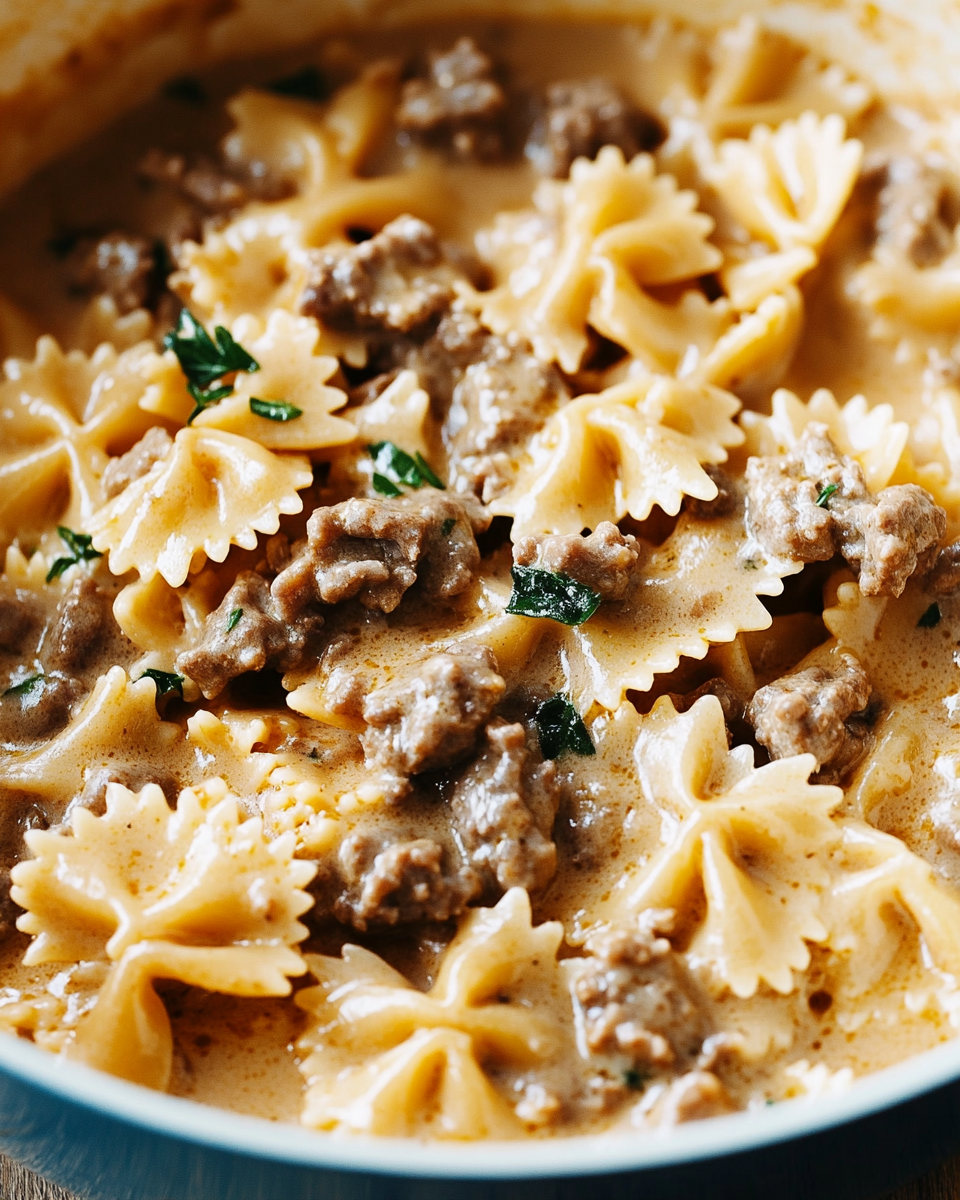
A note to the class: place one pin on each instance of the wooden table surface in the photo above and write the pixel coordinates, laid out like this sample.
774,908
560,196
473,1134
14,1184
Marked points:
16,1183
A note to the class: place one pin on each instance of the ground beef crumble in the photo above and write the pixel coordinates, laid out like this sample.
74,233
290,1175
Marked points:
127,468
918,207
582,116
397,280
248,633
458,103
503,807
119,265
430,716
819,711
604,561
813,503
375,550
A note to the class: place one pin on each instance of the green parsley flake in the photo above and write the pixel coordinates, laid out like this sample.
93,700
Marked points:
205,359
383,485
635,1080
539,593
930,618
25,686
166,681
447,527
80,549
824,498
561,728
398,466
234,619
274,410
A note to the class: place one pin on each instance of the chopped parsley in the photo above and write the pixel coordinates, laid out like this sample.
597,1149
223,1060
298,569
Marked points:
166,681
539,593
634,1079
205,360
80,549
931,617
25,686
383,485
396,466
447,527
823,499
274,410
234,619
561,728
306,84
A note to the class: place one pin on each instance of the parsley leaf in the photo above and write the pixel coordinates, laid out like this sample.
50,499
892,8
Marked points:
398,466
306,84
539,593
234,619
634,1079
931,617
166,681
25,686
205,359
274,410
80,547
823,499
561,728
447,527
383,485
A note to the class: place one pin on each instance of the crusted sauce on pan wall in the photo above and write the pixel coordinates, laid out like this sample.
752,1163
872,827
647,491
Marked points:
479,621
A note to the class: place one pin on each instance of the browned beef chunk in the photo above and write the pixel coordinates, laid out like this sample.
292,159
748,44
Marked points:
137,461
459,103
118,264
430,715
582,116
132,775
375,550
814,503
248,633
638,998
944,577
201,180
603,561
734,708
17,619
398,280
39,711
503,807
83,624
818,711
493,393
722,504
398,882
917,210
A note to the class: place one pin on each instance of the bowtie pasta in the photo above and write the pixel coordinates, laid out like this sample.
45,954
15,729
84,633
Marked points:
481,559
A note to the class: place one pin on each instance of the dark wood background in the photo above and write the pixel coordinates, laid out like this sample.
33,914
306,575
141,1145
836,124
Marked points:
16,1183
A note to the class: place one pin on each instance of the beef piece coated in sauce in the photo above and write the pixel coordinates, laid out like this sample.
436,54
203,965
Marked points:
248,633
604,561
430,716
459,103
397,281
582,116
725,501
119,265
813,503
375,550
503,808
82,626
388,882
819,711
917,210
121,472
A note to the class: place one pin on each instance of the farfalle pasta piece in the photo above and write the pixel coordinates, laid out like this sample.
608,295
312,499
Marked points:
292,371
878,879
925,298
755,840
63,415
195,894
118,712
586,255
400,414
752,355
383,1058
788,186
639,443
212,490
870,435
